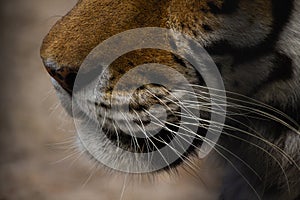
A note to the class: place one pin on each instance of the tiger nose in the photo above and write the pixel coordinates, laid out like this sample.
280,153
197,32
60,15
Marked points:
65,76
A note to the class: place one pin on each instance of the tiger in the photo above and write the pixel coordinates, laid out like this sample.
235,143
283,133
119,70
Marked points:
256,48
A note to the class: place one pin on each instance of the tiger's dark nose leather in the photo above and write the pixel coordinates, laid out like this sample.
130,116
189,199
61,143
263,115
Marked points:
65,76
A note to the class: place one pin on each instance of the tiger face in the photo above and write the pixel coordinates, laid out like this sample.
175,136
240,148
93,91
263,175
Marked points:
255,46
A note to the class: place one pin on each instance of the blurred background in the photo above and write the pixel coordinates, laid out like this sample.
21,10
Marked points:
36,134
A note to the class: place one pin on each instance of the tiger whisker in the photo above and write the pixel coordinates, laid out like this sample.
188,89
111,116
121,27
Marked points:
171,101
145,133
77,158
117,133
48,94
164,105
165,160
268,116
68,140
128,125
124,186
282,152
259,147
205,139
207,108
65,158
220,146
94,169
53,108
257,102
264,150
175,151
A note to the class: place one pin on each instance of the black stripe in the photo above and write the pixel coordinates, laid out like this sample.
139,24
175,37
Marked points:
179,60
281,10
228,7
282,70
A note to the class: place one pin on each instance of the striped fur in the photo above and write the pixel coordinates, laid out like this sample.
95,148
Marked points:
256,46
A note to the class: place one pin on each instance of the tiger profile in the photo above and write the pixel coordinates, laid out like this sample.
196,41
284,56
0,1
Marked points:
256,48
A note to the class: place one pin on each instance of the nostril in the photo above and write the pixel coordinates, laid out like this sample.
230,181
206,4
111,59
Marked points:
65,76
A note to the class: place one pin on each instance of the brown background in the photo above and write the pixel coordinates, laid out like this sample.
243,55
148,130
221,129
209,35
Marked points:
33,123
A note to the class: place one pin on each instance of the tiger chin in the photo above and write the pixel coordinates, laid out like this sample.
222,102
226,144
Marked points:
256,48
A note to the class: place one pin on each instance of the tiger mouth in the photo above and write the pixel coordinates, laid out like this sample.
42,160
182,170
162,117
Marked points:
153,131
145,139
148,142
